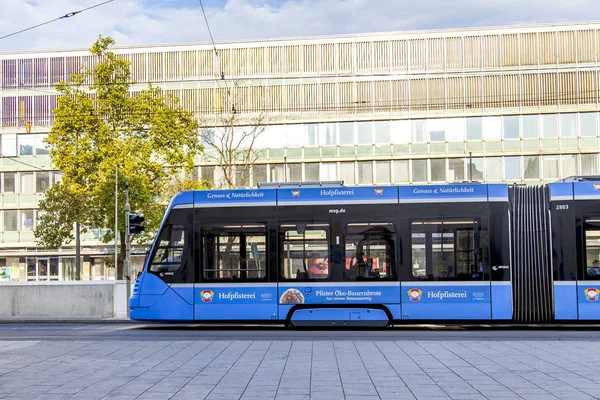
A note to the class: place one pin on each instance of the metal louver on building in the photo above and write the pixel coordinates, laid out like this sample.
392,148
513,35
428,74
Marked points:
532,282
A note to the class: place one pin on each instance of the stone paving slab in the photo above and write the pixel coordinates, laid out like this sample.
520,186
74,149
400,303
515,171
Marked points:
299,370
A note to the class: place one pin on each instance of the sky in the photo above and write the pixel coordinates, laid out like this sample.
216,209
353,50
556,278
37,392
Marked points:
151,22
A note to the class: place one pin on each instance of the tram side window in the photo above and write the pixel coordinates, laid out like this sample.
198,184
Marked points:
447,250
234,253
370,251
305,251
169,251
592,248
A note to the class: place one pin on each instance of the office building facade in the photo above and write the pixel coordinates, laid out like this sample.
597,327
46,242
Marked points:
509,104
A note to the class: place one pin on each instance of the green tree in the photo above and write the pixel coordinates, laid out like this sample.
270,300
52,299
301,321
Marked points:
104,125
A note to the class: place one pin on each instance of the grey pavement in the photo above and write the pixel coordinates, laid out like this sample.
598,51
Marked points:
368,368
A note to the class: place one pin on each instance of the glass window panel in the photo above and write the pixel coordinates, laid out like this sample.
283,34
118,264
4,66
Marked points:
492,128
41,147
26,220
277,173
328,172
568,125
401,171
294,135
10,220
9,184
25,145
493,168
549,125
475,169
294,172
370,250
311,135
592,250
401,132
587,124
234,253
259,174
437,130
532,167
346,133
531,126
418,131
455,129
9,145
589,164
327,134
474,129
456,168
419,170
365,132
511,127
42,181
347,173
569,165
383,171
27,182
512,168
311,172
382,132
550,167
438,170
305,255
365,172
447,251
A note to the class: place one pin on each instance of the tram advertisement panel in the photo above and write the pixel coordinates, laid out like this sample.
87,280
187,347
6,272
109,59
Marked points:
462,300
248,302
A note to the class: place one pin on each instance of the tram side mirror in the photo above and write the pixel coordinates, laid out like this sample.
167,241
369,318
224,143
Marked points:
301,228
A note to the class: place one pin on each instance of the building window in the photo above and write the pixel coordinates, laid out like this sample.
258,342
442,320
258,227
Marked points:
10,220
493,168
418,131
277,173
551,167
569,165
365,173
42,181
382,132
346,133
26,144
568,125
419,171
41,148
438,170
511,127
259,174
587,124
328,172
383,172
531,126
9,182
474,129
492,128
27,184
365,132
549,126
532,167
512,168
294,172
401,171
347,173
589,164
9,145
456,168
311,172
26,220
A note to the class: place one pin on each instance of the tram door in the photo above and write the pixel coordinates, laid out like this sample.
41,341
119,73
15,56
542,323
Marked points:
588,291
450,279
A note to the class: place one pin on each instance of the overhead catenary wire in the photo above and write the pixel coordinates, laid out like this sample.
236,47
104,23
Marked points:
65,16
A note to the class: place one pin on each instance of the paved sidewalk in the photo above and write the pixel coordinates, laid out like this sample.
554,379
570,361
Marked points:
299,370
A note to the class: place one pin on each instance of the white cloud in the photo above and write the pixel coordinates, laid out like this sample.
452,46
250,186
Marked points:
135,22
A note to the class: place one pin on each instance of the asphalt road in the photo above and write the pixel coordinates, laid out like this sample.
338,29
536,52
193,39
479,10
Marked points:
156,332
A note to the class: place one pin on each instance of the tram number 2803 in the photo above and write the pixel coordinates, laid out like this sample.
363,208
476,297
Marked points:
562,206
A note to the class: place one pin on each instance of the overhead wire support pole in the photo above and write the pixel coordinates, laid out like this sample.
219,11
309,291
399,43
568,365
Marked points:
127,249
116,220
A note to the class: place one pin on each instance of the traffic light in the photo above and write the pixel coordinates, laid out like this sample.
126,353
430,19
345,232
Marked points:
135,224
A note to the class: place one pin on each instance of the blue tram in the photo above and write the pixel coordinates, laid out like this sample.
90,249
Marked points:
325,254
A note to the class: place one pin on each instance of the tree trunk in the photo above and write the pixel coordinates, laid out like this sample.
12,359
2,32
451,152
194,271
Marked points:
121,257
